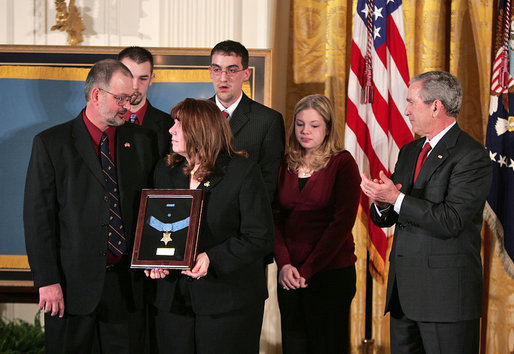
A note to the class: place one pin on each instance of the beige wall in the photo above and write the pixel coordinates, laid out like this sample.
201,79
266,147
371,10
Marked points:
26,312
150,23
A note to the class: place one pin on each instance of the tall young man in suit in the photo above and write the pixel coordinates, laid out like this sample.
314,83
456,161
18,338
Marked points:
140,62
257,129
81,200
434,290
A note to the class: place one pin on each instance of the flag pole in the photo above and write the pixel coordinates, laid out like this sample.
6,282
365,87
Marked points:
367,342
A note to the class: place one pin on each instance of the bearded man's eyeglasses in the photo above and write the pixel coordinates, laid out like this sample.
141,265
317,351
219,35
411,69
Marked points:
122,99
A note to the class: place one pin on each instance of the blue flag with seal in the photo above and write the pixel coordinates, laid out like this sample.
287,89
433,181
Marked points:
499,210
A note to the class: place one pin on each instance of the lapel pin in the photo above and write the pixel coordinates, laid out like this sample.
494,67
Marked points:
207,184
439,156
127,145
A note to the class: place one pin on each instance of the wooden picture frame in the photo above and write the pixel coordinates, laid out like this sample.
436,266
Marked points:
168,227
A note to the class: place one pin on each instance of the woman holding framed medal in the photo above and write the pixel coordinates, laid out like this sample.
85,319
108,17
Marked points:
316,206
217,306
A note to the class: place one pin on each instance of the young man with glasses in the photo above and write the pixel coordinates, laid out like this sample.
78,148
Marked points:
140,63
257,129
83,185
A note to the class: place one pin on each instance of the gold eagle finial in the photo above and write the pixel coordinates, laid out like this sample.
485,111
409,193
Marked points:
69,20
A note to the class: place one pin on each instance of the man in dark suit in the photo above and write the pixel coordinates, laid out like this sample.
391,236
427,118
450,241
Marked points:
81,200
140,63
257,129
434,290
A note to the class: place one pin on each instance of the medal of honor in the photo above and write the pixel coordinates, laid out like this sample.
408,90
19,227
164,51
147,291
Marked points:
166,237
167,228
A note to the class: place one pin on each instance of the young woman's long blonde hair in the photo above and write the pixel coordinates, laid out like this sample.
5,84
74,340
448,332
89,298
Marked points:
330,146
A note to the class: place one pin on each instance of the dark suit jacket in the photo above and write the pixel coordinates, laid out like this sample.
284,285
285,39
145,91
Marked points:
259,131
435,258
159,122
66,209
236,233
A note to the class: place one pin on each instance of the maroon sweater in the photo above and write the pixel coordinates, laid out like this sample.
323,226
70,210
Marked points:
313,227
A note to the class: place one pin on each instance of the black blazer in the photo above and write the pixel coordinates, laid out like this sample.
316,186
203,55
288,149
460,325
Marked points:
259,130
236,233
159,122
66,209
435,258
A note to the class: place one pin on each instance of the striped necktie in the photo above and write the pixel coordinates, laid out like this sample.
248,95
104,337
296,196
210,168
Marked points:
117,241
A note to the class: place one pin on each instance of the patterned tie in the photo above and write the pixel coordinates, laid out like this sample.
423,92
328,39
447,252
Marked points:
421,159
226,114
133,118
117,241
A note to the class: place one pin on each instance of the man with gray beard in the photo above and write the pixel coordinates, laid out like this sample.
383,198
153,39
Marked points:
81,200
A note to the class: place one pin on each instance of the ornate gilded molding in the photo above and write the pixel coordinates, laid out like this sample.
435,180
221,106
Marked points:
69,20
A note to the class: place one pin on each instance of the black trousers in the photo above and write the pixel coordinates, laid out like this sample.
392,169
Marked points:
229,333
409,336
315,319
182,331
114,327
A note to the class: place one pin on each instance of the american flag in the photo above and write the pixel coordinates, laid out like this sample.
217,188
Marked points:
499,210
376,128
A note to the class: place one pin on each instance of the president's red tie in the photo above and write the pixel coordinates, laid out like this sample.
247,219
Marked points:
421,159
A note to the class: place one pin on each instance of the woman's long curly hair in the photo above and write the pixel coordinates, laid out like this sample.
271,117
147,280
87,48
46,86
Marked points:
206,133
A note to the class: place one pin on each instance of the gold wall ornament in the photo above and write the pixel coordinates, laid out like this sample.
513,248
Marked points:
69,20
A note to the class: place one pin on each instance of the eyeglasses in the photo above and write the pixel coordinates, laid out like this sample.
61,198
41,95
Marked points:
230,72
122,99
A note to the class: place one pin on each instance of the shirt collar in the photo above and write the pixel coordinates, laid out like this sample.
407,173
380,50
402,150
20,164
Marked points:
140,114
96,135
433,142
230,110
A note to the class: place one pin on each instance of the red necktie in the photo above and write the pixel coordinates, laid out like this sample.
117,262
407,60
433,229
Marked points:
421,159
226,114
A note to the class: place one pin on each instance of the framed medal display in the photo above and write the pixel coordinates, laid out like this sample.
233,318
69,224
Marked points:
168,227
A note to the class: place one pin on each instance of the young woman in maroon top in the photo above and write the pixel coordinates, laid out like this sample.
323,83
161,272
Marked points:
318,197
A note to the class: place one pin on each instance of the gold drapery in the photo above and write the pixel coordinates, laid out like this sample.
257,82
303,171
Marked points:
453,35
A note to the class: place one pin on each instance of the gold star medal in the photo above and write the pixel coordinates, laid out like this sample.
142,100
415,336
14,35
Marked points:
166,237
